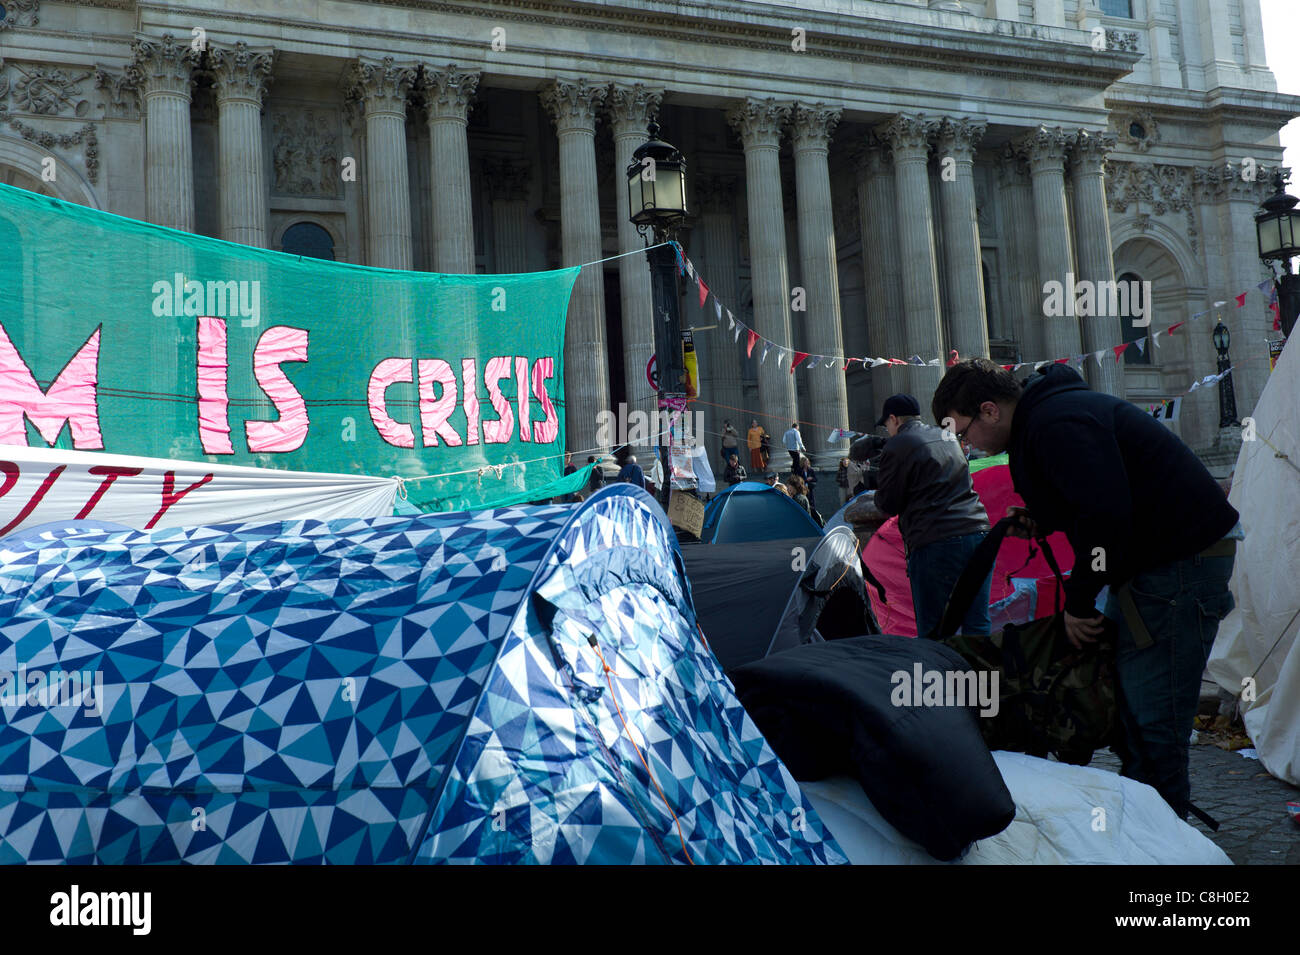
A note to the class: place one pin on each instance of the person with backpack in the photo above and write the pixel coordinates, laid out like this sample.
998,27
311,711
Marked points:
925,480
1143,516
597,479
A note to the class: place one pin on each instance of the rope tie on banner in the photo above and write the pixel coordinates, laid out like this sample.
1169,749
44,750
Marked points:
401,489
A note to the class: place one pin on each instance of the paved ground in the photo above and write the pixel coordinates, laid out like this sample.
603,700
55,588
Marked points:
1254,826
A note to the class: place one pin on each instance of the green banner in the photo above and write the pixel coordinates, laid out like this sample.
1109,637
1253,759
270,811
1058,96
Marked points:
131,338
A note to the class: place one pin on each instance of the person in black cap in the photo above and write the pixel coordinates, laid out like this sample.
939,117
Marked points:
925,480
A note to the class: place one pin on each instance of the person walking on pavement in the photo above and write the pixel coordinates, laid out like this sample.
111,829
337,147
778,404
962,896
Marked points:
925,480
1143,516
631,473
793,442
754,439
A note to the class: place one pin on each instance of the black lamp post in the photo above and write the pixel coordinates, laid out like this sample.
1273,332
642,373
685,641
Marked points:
1227,394
1278,230
656,196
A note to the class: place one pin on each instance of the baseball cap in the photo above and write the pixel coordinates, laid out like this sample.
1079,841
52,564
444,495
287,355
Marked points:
900,405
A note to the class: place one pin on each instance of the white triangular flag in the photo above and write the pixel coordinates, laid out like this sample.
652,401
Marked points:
1195,385
1142,346
717,308
1100,354
781,355
766,347
731,320
690,269
1155,339
737,327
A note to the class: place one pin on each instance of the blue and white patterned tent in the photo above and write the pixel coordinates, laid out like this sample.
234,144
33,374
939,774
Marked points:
399,689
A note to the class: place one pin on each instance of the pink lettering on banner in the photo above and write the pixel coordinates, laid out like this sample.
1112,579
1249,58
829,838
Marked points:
435,412
70,399
469,389
279,344
498,432
521,391
214,402
170,495
111,474
544,432
389,372
11,473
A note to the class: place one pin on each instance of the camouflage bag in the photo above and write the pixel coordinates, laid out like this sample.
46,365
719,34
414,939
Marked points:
1052,697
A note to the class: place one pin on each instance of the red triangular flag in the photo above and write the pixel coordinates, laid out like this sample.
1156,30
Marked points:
1172,328
704,293
798,357
1061,361
1241,300
1120,349
752,340
1008,367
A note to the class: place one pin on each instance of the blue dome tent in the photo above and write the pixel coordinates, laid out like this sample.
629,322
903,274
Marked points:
525,684
751,511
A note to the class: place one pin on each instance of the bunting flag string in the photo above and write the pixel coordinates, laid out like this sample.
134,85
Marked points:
810,361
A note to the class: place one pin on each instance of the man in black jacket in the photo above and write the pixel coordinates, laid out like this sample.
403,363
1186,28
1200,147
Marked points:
1142,515
925,480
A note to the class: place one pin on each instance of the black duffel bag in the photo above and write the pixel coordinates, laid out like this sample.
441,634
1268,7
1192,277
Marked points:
1054,698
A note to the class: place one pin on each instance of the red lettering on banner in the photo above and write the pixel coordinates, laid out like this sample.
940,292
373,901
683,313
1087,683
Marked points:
469,391
212,372
71,398
279,344
498,432
389,372
435,412
111,474
521,393
544,432
11,478
168,497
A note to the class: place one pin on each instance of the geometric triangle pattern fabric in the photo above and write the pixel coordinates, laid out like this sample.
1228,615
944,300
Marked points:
386,690
607,732
287,692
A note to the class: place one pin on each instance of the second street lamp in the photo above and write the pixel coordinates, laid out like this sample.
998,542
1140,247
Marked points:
1227,393
656,192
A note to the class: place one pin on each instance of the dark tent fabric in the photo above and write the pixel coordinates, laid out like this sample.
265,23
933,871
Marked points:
750,511
740,592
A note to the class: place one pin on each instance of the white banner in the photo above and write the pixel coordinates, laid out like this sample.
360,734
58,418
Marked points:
45,485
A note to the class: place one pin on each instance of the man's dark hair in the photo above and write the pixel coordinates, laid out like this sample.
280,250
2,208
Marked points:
970,383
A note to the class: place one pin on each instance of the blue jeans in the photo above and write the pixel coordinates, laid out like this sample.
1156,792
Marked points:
933,570
1181,604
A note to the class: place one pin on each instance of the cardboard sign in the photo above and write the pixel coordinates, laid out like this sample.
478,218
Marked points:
686,511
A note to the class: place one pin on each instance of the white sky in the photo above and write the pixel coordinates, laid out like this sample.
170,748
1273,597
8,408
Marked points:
1281,34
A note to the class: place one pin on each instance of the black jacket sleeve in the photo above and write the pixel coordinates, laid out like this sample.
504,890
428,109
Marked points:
894,477
1082,462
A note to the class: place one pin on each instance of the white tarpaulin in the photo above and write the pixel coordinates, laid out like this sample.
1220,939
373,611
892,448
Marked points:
1258,639
44,485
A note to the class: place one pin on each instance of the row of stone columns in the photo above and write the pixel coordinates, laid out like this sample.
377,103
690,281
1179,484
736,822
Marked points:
894,194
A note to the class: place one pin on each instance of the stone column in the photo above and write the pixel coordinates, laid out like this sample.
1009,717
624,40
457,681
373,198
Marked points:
967,319
722,389
163,68
1016,199
822,333
909,137
381,88
882,269
1096,257
447,95
507,181
573,106
759,124
242,77
1046,150
631,107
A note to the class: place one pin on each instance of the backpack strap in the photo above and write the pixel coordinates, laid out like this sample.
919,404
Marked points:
977,569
